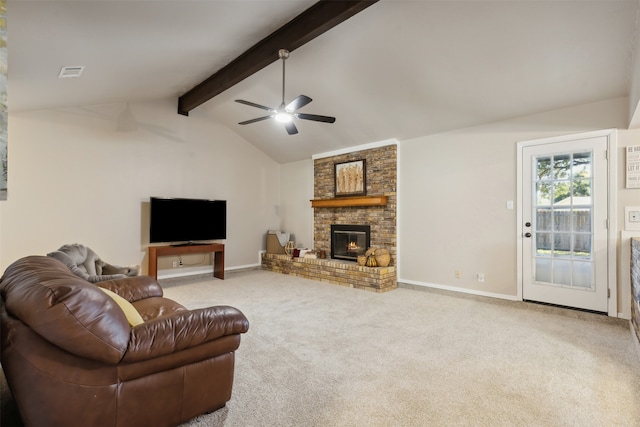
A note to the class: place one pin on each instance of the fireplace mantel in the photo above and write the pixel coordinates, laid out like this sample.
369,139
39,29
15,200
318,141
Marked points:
342,202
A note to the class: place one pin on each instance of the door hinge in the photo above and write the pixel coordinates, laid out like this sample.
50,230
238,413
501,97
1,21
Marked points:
606,154
608,292
606,223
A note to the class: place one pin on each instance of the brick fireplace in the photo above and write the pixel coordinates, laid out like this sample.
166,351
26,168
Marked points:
381,178
376,209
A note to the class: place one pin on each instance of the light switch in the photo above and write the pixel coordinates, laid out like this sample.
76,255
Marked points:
509,204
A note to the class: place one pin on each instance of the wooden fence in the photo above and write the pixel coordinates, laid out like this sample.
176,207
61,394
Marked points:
564,224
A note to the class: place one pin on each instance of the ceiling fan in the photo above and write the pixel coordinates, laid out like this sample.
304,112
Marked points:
285,113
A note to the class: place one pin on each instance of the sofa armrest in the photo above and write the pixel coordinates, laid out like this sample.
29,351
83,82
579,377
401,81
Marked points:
183,330
133,288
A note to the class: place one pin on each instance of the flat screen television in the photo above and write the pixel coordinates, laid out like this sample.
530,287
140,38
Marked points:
175,220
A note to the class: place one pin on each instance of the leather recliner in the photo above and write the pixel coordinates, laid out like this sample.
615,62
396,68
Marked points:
70,355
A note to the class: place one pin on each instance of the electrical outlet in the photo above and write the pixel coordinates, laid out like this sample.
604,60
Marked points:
175,264
480,277
632,217
458,274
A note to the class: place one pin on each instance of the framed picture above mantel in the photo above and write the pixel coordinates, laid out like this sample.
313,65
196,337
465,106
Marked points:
350,178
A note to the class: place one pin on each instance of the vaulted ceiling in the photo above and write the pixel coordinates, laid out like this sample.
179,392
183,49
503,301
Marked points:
398,69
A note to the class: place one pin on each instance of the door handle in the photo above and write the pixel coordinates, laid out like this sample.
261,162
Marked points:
527,235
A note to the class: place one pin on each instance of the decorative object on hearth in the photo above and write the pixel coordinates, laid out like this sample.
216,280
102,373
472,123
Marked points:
371,258
277,241
362,260
288,248
300,252
383,257
350,178
286,113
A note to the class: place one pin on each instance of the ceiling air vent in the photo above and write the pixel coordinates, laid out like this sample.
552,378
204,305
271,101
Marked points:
70,72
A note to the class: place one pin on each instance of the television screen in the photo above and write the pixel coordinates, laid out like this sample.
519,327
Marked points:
187,220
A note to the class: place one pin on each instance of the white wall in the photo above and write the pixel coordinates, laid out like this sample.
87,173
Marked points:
74,178
295,203
453,193
634,88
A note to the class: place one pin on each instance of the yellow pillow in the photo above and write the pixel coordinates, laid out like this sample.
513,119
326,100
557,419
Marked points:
129,310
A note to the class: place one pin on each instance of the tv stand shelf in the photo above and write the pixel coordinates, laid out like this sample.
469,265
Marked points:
216,248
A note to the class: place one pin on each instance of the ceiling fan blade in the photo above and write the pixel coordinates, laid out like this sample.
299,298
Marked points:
316,118
253,104
259,119
291,128
298,103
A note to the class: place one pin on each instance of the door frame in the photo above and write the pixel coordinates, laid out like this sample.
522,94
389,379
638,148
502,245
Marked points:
611,135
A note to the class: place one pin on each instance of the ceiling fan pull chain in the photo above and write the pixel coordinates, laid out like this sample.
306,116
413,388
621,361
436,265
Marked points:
283,54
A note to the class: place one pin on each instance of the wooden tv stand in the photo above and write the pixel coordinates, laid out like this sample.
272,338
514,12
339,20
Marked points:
216,248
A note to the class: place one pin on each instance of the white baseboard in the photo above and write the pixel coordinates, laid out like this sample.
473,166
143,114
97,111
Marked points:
243,267
206,269
461,290
184,272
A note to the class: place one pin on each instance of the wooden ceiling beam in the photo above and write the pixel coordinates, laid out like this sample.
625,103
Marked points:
314,21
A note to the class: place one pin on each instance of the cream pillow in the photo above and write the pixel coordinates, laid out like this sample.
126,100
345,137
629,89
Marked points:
129,310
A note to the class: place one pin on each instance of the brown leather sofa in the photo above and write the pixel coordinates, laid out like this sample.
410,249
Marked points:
71,357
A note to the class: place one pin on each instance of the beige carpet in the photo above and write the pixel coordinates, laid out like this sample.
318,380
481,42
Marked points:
318,354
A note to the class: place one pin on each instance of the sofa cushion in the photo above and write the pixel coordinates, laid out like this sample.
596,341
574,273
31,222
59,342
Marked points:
64,309
132,315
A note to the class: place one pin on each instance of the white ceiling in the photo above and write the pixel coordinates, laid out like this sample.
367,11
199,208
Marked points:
399,69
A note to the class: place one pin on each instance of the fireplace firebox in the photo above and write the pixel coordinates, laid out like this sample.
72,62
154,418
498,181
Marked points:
349,241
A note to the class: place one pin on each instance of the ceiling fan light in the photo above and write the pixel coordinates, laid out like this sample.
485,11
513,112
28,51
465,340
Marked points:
284,117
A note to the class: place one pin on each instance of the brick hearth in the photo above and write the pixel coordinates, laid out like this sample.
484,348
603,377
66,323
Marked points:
350,274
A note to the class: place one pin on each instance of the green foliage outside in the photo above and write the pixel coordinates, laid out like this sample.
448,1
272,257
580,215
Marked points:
562,176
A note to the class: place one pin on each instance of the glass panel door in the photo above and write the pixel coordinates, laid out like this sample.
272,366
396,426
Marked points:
562,225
